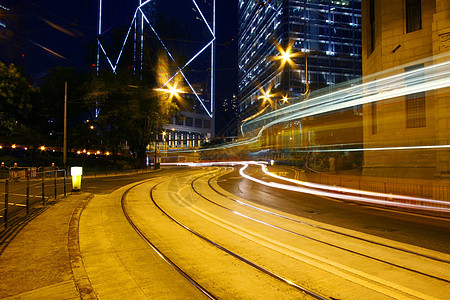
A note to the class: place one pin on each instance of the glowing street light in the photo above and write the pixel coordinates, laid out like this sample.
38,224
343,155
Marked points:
285,99
172,91
266,95
285,56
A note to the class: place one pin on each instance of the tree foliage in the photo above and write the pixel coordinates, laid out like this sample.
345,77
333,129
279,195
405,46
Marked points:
131,112
15,98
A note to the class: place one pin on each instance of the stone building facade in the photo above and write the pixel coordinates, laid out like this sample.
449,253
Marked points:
406,35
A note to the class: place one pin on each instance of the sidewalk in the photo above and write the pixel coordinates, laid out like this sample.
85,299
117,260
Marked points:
42,261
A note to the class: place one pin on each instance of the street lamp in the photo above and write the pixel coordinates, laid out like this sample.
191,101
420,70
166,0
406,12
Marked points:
164,133
266,96
172,91
285,56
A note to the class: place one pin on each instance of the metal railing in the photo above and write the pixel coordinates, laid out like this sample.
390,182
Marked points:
25,191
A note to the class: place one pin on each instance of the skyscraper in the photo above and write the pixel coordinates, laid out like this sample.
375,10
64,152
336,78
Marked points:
184,33
326,35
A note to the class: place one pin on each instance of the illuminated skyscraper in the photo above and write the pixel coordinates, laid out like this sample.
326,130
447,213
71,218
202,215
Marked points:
183,32
327,32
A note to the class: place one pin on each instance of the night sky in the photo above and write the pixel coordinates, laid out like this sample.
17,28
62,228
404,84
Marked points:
42,34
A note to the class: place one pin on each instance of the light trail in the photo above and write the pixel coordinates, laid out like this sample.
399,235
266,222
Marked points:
379,148
338,195
351,191
331,191
430,78
384,89
48,50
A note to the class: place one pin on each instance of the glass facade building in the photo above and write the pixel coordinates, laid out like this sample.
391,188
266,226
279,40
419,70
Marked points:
328,32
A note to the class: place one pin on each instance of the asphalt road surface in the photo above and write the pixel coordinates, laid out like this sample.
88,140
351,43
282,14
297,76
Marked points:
411,228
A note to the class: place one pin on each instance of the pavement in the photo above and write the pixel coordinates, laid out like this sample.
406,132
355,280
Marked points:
43,260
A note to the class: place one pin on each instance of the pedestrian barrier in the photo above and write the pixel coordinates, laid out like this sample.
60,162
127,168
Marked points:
28,189
31,187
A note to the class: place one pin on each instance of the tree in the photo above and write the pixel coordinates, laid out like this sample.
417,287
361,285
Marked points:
131,111
15,98
147,112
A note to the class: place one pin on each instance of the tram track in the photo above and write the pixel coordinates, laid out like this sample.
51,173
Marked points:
179,269
209,197
164,257
317,227
383,261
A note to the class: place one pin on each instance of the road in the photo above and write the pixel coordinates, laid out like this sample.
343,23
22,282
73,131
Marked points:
224,236
411,228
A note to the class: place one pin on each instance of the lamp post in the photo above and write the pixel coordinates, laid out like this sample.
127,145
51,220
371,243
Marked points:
156,149
65,127
171,91
164,141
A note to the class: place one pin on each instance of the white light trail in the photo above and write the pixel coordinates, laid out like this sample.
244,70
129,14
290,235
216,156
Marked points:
426,79
351,191
360,199
380,148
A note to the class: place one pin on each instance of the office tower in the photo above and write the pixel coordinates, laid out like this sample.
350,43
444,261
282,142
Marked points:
326,35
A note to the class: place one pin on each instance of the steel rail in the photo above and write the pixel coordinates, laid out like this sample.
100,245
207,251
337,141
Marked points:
320,227
326,229
250,263
159,252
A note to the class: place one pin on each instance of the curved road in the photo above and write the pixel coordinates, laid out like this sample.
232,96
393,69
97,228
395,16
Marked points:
208,231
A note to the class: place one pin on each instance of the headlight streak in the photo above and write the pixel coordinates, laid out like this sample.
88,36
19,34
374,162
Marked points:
209,164
351,191
323,228
346,103
429,78
393,86
321,241
380,149
347,197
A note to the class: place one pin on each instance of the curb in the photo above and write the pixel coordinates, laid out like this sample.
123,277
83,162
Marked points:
80,276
